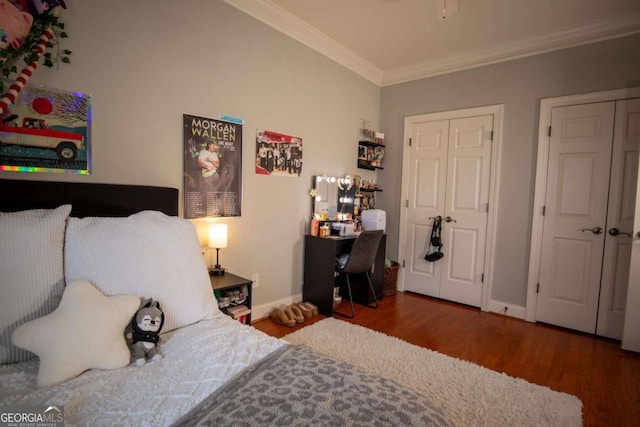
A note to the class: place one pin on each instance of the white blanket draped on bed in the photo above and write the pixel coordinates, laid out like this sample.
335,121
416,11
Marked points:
198,359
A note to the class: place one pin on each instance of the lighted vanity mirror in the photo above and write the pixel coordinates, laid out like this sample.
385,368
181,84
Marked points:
346,194
326,195
334,195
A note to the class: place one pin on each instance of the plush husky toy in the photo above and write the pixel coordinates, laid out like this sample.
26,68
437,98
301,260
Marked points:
143,333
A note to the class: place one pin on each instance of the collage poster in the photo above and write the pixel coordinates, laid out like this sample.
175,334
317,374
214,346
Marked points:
212,167
278,154
46,130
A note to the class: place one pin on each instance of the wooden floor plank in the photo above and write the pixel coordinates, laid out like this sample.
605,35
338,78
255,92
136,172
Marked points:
596,370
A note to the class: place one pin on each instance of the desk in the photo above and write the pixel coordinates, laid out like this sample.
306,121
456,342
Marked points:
319,267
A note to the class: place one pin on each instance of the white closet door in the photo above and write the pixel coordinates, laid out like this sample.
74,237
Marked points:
426,185
620,215
464,230
575,217
449,174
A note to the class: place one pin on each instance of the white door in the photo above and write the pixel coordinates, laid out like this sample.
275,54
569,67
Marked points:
464,230
575,215
620,217
449,176
428,169
590,204
631,333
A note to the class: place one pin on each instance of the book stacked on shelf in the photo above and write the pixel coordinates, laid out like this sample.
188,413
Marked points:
239,312
373,136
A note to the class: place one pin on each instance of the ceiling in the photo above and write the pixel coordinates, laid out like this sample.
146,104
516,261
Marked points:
392,41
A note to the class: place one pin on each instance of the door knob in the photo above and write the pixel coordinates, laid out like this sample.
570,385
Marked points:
449,219
615,232
594,230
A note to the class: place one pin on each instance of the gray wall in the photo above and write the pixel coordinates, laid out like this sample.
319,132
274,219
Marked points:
145,63
519,85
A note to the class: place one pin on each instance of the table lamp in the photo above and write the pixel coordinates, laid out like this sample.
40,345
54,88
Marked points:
217,240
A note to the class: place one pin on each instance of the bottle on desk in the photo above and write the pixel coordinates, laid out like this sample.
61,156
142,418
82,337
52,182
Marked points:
315,226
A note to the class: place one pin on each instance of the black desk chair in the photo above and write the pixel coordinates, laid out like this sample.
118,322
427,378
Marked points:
361,258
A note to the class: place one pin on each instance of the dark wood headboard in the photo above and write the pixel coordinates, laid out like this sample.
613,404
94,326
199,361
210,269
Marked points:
87,199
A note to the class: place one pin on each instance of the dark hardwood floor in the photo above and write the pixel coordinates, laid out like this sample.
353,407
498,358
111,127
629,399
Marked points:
605,377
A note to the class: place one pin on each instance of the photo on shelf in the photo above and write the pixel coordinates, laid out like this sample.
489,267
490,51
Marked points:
378,156
362,152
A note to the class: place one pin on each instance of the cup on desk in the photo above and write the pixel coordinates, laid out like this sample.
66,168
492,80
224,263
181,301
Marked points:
324,231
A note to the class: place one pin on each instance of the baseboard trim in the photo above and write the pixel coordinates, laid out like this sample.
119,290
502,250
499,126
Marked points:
507,309
262,311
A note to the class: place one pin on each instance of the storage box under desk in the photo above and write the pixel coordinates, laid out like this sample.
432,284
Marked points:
319,267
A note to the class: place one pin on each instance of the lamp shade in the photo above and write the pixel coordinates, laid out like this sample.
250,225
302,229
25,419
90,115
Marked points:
217,236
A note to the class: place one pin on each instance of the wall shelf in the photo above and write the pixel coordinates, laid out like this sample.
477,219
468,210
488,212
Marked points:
370,155
363,164
371,151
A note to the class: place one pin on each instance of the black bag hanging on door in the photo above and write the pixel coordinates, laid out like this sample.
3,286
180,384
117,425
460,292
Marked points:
435,241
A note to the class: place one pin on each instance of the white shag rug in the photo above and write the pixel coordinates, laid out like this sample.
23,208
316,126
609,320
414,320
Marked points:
469,394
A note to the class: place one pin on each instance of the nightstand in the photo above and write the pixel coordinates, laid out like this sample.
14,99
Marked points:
233,294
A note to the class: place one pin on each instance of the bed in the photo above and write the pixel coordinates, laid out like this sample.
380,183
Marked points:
77,258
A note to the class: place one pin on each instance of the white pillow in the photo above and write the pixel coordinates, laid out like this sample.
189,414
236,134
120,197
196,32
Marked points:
85,331
147,254
31,271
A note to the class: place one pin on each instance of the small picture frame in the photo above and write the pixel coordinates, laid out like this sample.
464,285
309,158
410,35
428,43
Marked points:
362,152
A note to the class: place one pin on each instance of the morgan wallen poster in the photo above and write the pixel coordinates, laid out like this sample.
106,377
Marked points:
212,167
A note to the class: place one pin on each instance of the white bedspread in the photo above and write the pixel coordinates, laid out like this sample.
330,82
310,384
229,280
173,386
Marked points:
197,360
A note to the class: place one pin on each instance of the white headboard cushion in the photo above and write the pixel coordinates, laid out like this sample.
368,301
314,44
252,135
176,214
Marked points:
147,254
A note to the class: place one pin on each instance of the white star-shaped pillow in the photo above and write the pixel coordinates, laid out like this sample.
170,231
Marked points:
85,331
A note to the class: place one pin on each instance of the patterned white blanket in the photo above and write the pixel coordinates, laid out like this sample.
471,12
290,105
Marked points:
198,359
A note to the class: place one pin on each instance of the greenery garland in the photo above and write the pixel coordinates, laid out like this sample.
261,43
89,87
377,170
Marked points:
10,57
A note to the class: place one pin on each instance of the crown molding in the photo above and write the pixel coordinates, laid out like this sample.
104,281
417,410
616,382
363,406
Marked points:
586,34
287,23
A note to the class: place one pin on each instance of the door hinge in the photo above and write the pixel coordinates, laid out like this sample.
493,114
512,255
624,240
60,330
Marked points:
482,278
402,263
409,142
544,210
406,203
549,131
491,136
537,288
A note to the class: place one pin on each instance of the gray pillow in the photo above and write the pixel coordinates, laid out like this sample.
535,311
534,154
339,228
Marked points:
31,271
